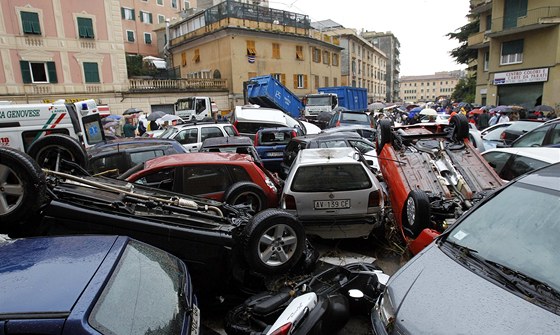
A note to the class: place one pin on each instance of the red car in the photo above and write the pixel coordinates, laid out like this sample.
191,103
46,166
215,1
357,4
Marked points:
228,177
433,174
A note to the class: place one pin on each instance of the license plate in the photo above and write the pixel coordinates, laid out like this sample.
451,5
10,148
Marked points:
195,320
275,154
331,204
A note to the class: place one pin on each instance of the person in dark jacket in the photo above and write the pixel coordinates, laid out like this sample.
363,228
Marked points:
483,120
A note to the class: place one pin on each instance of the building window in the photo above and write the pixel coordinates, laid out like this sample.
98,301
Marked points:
148,38
196,57
146,17
315,82
512,52
300,81
173,3
335,81
30,23
299,52
91,72
183,59
251,50
159,2
186,5
335,59
488,22
326,81
276,50
130,36
161,18
326,57
281,77
353,66
316,55
38,72
486,60
85,27
127,13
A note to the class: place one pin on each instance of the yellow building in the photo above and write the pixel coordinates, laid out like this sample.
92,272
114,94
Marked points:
237,41
429,87
518,47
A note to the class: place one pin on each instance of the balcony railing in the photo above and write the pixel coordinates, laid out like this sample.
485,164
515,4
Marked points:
533,17
174,85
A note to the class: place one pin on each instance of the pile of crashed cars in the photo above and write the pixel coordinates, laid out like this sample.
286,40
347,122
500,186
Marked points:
420,179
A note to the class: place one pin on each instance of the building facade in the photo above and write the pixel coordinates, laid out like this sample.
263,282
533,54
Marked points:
518,46
236,41
429,87
362,64
390,46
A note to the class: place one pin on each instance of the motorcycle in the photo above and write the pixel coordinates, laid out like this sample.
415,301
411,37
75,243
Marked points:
317,304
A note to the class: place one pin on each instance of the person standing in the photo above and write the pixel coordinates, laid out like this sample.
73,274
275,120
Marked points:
483,120
494,119
128,128
503,118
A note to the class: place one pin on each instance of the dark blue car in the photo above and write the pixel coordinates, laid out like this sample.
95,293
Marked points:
93,285
270,144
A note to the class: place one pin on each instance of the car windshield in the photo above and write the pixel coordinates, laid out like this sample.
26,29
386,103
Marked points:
521,237
494,134
332,178
143,295
168,133
319,101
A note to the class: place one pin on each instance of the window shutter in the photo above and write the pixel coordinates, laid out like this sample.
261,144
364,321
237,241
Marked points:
304,81
283,79
151,19
133,14
25,72
122,13
51,67
512,47
141,16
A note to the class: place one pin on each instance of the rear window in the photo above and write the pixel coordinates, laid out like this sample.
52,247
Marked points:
253,127
275,137
355,117
230,130
330,178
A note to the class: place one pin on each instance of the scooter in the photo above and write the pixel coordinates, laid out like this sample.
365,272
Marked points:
319,304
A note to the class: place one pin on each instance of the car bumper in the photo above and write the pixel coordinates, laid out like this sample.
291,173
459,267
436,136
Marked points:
329,228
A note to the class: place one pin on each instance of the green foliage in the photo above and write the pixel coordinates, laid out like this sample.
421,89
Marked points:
462,54
465,89
136,67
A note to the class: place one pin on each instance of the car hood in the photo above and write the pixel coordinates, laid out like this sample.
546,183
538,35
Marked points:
433,294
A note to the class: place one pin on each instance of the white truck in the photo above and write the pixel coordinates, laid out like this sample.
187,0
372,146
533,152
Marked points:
196,108
51,132
316,103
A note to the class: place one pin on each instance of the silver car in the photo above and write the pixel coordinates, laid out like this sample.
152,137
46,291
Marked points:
334,193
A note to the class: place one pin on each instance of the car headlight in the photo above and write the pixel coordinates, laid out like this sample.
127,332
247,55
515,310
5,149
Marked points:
386,312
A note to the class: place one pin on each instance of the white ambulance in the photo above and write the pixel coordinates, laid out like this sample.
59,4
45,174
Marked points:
51,132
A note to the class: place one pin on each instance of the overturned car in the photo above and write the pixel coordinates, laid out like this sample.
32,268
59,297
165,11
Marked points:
217,241
433,174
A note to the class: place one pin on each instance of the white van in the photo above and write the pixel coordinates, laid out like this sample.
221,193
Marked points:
51,131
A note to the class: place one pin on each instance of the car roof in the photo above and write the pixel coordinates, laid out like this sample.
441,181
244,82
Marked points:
327,155
545,154
226,141
48,274
327,136
197,158
269,115
132,142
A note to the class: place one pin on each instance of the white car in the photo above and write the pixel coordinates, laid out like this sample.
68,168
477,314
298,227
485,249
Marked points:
248,119
334,193
191,135
511,163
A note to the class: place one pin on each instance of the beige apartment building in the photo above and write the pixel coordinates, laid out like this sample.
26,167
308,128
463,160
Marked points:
518,52
362,64
235,42
429,87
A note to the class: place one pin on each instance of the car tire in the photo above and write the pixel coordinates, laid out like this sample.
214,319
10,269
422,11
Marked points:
22,188
416,213
383,134
50,150
460,126
246,193
273,242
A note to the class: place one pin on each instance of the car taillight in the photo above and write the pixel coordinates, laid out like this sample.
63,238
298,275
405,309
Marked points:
294,134
503,135
283,330
374,199
289,202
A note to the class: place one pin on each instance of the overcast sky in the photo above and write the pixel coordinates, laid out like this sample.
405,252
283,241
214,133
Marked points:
419,25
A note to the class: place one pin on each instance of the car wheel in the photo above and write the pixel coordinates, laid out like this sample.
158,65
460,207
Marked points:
273,241
22,188
246,193
50,150
460,127
383,134
416,213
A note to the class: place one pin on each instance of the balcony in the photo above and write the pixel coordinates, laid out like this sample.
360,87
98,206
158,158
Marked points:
478,40
537,18
176,85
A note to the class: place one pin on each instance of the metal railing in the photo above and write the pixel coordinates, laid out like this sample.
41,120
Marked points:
532,17
173,85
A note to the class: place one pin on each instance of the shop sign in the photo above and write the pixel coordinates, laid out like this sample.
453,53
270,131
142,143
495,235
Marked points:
523,76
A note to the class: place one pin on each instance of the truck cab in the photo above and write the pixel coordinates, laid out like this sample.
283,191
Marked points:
195,108
316,103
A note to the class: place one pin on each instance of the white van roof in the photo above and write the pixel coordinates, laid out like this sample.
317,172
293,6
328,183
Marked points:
261,114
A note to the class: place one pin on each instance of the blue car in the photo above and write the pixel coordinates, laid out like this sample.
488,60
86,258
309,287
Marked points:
270,144
93,285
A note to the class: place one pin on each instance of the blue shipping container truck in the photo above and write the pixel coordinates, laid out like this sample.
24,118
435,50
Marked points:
266,91
353,98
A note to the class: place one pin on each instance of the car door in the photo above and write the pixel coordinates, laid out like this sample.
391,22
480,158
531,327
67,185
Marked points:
208,180
189,138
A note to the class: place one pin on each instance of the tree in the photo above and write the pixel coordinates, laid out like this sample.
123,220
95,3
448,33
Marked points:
465,89
462,54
